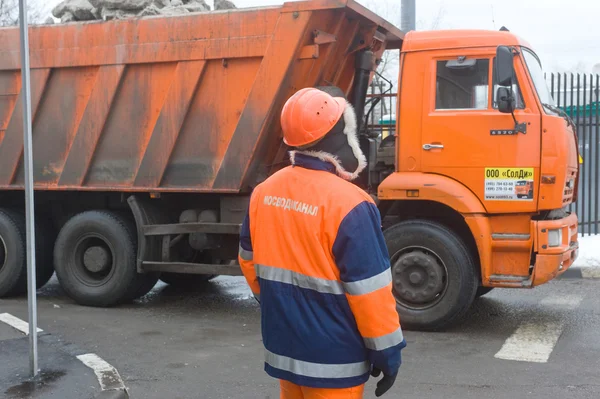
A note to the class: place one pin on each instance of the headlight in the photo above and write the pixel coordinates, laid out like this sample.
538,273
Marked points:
554,238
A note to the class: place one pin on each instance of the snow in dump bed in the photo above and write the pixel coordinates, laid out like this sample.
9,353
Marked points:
89,10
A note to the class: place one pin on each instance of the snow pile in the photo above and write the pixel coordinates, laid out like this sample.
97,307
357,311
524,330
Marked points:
90,10
589,252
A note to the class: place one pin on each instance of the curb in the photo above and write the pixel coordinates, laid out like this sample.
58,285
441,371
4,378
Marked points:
111,384
117,391
581,273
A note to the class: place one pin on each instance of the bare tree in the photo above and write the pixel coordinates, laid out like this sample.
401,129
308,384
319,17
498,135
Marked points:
386,78
437,22
391,11
9,12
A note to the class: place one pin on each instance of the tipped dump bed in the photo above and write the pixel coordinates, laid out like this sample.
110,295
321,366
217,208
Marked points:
186,103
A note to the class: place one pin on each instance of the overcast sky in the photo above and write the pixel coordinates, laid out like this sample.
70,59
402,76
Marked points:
565,34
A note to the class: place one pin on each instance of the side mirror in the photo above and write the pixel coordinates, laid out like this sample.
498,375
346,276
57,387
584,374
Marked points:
506,100
505,69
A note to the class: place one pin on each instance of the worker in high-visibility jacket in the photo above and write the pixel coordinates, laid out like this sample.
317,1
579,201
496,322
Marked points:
313,253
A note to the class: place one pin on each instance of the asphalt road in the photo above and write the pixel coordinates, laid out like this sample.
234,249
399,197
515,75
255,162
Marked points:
207,344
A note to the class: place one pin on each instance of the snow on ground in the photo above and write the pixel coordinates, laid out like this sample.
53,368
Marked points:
589,252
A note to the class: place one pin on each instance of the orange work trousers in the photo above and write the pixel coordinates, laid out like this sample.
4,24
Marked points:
293,391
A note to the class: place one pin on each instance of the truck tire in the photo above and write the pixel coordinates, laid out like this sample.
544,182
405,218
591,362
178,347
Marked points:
13,256
95,259
186,282
145,281
434,276
13,253
481,291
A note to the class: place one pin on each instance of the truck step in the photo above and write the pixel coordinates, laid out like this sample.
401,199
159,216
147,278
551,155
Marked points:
192,268
511,280
187,228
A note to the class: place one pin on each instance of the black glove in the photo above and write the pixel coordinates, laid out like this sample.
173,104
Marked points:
385,383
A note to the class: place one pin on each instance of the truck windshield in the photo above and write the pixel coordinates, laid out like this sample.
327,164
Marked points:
537,75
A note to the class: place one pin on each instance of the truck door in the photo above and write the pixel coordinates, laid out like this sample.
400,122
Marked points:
466,138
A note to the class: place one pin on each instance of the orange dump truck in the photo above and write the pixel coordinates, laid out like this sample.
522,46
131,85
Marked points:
149,135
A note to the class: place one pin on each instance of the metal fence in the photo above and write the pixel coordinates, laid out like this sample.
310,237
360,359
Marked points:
577,94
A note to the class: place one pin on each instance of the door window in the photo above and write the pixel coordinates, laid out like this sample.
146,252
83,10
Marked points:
537,75
462,84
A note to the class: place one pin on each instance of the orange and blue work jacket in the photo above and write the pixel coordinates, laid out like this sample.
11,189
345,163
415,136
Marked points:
313,253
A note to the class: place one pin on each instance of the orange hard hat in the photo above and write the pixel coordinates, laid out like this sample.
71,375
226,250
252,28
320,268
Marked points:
309,115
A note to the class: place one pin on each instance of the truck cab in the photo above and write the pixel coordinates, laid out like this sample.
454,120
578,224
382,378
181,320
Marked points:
484,166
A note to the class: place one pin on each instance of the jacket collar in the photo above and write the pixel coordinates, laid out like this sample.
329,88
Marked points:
308,162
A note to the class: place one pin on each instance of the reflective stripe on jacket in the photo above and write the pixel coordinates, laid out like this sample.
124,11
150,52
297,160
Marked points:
313,253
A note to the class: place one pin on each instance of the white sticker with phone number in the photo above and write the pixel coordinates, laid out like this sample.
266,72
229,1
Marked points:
509,184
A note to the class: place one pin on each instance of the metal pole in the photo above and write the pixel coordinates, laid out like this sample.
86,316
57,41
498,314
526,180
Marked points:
409,15
29,208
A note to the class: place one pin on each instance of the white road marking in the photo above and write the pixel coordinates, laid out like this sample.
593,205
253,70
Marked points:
531,342
16,323
107,375
535,341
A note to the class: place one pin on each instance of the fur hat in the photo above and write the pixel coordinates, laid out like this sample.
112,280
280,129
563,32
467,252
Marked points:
340,146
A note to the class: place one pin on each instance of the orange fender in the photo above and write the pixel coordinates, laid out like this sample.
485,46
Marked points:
430,187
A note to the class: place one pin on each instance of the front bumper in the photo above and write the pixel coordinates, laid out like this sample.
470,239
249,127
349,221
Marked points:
553,261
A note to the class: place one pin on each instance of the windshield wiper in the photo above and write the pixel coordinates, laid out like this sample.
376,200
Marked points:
561,113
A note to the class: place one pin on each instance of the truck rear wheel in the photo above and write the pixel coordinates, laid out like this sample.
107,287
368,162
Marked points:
13,253
434,278
13,261
95,260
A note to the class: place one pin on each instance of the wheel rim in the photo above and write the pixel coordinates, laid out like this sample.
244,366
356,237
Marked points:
420,278
3,253
93,260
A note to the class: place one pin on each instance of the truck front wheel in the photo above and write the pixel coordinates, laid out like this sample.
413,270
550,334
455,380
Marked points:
434,278
95,259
